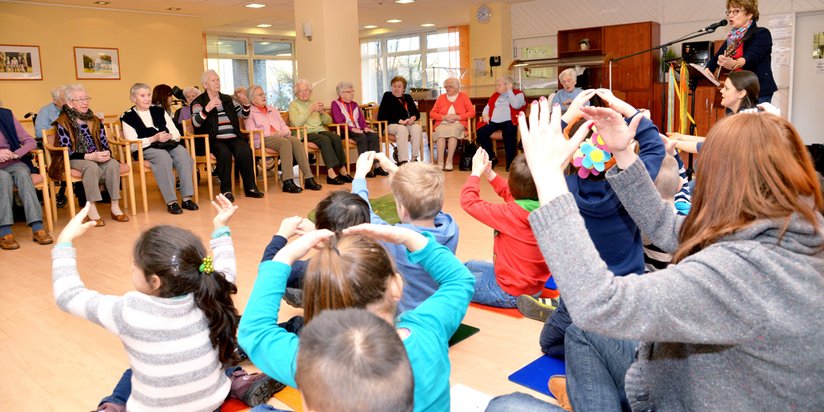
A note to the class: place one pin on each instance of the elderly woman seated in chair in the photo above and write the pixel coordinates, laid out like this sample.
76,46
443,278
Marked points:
451,113
346,111
83,134
155,131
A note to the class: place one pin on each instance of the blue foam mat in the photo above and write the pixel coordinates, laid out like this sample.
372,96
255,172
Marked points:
536,374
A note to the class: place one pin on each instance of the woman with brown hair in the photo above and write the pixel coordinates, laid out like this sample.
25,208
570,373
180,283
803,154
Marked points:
162,96
735,323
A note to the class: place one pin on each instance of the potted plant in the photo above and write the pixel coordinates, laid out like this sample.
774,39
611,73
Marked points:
584,43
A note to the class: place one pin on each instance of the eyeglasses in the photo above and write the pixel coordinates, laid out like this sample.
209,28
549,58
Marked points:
733,12
85,99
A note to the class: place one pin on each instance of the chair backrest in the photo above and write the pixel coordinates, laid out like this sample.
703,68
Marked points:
188,127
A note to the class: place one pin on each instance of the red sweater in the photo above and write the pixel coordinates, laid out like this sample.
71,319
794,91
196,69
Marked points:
463,108
519,265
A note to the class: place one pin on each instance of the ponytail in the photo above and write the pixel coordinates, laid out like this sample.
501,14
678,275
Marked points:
214,298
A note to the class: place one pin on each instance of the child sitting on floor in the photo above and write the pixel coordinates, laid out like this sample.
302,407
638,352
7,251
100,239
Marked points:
355,271
518,268
419,195
178,327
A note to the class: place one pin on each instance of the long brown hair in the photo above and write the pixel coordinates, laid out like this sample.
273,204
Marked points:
753,166
351,272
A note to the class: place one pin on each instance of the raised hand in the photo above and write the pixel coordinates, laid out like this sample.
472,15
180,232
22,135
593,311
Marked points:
76,228
393,234
224,210
385,163
299,247
615,132
289,226
614,103
579,101
480,162
364,164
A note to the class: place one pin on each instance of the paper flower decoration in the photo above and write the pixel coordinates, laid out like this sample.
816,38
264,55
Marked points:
592,156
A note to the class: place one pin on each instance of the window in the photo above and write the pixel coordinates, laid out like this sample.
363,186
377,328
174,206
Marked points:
424,59
268,62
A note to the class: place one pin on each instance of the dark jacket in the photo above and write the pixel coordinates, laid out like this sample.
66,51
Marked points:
758,54
392,110
209,126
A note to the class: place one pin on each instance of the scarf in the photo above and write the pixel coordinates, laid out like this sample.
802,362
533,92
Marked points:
735,35
80,144
351,115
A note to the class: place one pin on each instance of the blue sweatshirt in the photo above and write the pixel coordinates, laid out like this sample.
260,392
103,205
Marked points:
610,227
430,325
418,285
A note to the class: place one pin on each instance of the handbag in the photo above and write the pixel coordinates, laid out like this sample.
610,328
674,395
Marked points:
167,145
468,150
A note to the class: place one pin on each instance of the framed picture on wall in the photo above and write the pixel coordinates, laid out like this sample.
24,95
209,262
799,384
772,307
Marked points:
96,63
19,62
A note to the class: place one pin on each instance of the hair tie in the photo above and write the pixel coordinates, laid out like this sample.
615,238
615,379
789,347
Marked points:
175,264
206,266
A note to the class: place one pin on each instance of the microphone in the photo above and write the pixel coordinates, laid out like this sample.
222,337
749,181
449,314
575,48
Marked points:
711,28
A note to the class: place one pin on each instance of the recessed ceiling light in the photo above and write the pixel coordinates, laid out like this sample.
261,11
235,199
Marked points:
102,3
428,25
255,6
264,43
264,25
370,26
173,9
394,21
404,1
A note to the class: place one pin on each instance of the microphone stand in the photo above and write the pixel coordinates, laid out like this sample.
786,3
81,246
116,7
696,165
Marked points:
692,84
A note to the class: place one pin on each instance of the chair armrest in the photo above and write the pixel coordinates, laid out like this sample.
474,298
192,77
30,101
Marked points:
37,154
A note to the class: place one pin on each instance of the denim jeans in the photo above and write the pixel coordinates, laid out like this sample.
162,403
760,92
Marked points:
596,367
121,391
518,402
487,291
552,335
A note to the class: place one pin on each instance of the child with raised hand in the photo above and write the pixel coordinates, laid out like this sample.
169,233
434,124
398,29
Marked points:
518,267
418,189
178,326
355,271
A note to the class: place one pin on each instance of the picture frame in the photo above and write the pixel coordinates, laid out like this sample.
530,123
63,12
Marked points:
20,62
96,63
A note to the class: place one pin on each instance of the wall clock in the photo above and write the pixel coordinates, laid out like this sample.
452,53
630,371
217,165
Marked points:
484,14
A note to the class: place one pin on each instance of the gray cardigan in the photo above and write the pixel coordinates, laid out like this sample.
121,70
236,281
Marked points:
736,326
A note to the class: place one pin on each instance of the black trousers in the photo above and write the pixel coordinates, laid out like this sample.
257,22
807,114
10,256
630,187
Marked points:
237,148
510,135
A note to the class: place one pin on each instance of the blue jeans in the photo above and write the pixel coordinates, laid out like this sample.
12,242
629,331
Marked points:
487,291
596,367
518,402
121,391
552,335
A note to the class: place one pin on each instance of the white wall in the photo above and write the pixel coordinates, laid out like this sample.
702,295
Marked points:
808,82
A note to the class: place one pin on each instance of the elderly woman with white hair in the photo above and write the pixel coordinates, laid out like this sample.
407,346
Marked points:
565,95
152,128
501,113
277,136
217,115
344,110
398,109
79,130
304,112
451,113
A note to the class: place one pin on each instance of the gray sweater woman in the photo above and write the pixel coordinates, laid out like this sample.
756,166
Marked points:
736,326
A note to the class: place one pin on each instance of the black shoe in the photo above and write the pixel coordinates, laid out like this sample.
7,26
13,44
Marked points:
174,208
380,172
290,187
61,200
336,181
371,174
190,205
229,196
254,193
311,184
494,162
401,163
346,178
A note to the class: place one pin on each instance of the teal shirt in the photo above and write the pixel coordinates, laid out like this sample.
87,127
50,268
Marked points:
430,325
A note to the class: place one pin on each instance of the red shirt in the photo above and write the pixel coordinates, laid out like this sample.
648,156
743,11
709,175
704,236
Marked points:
519,265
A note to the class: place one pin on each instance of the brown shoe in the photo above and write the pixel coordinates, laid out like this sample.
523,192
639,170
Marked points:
7,242
120,218
558,389
97,222
42,237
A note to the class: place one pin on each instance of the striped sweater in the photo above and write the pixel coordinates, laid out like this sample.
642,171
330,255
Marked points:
175,367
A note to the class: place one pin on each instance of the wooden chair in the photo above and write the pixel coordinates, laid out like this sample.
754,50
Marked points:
469,136
41,182
207,160
302,133
71,176
343,131
261,153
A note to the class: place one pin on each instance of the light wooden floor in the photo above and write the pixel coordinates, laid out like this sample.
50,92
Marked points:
54,361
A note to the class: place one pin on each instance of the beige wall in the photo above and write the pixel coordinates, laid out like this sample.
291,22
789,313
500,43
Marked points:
154,48
493,38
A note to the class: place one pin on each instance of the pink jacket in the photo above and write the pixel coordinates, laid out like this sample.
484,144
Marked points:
267,119
463,108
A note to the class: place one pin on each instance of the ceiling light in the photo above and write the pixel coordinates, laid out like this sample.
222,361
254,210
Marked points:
428,25
264,43
370,26
255,6
394,21
264,25
173,9
404,1
102,3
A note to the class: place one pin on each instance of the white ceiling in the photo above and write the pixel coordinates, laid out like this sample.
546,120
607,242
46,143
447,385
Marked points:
229,16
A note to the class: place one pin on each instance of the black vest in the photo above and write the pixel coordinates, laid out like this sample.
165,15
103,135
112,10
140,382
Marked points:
132,119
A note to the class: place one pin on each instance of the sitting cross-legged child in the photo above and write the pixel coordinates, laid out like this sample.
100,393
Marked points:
419,196
518,267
